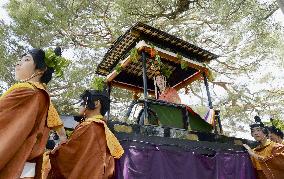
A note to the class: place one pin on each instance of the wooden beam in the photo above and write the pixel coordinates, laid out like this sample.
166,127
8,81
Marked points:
130,87
171,58
124,64
189,80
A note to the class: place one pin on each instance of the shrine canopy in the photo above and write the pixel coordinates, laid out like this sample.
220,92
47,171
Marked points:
183,62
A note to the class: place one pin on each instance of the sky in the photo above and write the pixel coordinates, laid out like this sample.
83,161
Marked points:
3,13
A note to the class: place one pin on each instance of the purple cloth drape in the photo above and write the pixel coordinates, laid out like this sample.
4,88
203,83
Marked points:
155,162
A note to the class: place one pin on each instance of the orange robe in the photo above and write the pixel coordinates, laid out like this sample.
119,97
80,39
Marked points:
272,166
23,129
89,153
26,114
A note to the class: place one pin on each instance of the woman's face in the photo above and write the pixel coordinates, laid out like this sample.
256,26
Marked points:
25,67
84,111
274,137
160,82
257,133
83,108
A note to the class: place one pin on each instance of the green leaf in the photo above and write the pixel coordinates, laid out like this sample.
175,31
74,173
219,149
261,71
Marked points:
98,83
118,68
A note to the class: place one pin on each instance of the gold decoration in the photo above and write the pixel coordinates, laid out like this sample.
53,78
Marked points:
238,142
192,137
123,128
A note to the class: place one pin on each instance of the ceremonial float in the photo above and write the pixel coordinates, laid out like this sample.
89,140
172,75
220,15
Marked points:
173,141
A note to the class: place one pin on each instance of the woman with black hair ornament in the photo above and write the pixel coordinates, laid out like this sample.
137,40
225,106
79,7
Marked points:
268,156
27,115
275,132
92,147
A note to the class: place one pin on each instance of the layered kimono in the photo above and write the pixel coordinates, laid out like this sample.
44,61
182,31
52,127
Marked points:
170,95
26,115
89,152
272,166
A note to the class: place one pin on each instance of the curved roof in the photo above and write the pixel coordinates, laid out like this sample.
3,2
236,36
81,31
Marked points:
122,46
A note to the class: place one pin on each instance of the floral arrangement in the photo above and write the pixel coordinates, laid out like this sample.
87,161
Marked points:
157,65
56,62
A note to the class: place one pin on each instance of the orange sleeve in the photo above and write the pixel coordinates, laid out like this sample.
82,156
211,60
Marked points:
18,114
273,166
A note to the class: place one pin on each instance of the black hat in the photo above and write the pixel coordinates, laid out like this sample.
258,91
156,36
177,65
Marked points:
90,96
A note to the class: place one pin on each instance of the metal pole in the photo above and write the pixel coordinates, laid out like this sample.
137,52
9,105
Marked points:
217,115
144,84
109,91
207,90
209,100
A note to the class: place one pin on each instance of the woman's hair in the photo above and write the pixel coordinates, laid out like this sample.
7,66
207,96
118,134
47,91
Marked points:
90,96
259,124
155,83
276,131
38,57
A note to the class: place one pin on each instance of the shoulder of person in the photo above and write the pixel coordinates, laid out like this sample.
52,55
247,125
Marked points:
277,145
21,85
172,89
18,86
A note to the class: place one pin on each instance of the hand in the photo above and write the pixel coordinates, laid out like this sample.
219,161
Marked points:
248,149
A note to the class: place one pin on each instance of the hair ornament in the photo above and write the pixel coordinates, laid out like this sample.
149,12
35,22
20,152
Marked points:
53,59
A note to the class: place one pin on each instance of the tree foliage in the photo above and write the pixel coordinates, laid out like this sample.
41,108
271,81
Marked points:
242,32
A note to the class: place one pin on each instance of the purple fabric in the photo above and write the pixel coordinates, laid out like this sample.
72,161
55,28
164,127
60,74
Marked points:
169,164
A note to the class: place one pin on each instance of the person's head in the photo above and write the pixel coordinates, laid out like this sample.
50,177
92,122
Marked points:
258,131
161,82
275,134
32,66
94,102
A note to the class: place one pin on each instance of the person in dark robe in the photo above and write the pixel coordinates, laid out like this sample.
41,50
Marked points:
268,156
26,116
92,147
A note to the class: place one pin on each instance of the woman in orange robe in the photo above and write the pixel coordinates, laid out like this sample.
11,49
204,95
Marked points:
26,116
268,156
92,147
276,135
